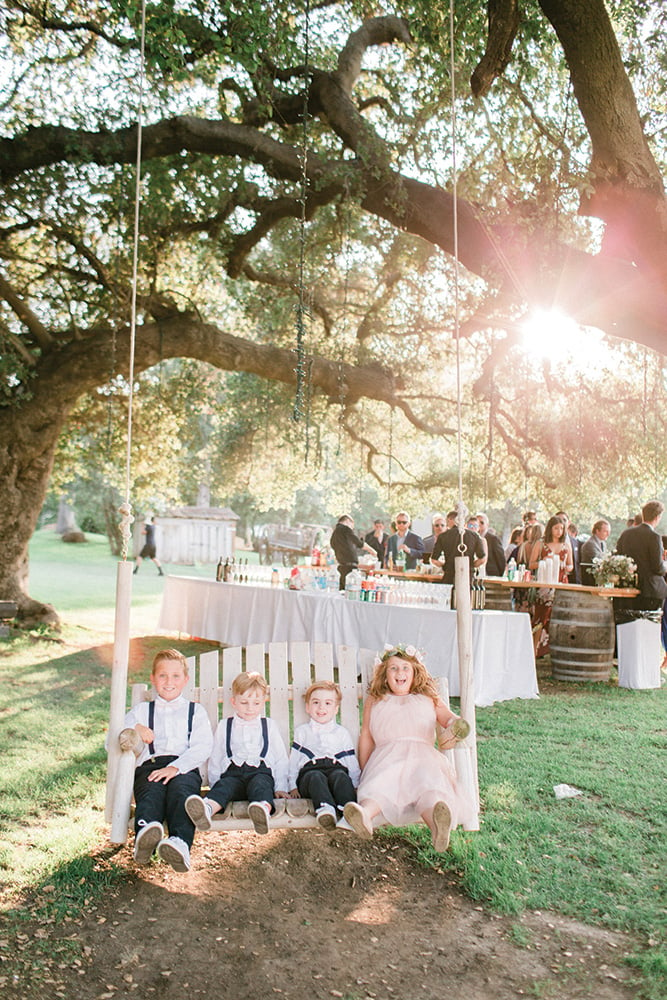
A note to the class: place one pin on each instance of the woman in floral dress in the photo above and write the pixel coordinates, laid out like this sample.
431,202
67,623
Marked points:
554,543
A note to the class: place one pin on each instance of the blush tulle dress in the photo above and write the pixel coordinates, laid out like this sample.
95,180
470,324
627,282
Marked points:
406,774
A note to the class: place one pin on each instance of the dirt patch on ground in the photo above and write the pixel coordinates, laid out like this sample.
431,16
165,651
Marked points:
304,915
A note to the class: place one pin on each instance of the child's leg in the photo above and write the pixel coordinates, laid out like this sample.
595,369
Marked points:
341,786
360,816
178,790
149,796
312,784
437,815
230,787
260,785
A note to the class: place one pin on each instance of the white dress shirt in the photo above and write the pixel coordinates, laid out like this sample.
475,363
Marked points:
246,746
170,727
323,740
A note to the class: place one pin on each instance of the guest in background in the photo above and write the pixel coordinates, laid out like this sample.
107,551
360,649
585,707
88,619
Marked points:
438,525
378,539
346,546
495,561
593,548
523,597
512,546
554,543
644,545
530,517
575,545
404,542
446,549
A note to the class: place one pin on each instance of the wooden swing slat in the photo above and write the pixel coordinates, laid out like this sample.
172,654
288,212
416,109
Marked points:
302,677
323,661
279,689
349,686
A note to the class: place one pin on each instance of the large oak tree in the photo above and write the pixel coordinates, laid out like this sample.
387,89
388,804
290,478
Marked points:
242,137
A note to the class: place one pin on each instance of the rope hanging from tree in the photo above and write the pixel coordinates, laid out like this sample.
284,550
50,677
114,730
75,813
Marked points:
301,368
125,509
466,752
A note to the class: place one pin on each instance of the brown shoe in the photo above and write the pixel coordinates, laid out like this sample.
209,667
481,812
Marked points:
358,820
442,824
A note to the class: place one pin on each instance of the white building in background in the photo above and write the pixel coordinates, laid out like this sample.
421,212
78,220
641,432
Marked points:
192,535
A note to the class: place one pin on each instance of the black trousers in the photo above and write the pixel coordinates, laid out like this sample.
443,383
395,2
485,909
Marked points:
326,782
156,800
343,570
243,781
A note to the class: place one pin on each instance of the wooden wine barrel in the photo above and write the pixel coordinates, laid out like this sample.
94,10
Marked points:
498,598
581,636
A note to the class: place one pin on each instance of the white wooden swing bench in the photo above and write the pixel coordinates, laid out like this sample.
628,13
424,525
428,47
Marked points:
288,679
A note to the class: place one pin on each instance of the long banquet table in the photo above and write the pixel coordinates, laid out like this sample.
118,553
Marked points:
239,614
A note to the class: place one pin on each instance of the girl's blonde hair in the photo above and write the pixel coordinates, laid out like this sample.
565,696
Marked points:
422,682
249,679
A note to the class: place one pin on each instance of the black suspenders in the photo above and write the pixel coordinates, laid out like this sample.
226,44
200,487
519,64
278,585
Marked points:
265,737
151,722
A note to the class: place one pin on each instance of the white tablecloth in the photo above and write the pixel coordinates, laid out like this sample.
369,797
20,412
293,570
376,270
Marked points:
239,614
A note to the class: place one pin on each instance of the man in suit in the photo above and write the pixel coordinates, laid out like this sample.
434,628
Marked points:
446,549
593,548
574,576
644,545
404,541
438,525
495,562
377,539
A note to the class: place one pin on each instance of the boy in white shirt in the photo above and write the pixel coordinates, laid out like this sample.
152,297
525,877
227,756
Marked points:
249,759
177,740
323,763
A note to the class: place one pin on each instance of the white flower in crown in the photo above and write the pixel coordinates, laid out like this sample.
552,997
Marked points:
400,649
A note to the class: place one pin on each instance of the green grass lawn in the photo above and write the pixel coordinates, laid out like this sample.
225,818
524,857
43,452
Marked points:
600,857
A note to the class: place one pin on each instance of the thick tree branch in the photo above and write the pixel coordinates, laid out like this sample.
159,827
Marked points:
628,192
504,17
35,328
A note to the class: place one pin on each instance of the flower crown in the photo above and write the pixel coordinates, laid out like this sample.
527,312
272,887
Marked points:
398,649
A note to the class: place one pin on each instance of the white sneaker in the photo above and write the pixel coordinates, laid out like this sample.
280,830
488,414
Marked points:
175,852
259,813
199,810
326,816
146,840
343,824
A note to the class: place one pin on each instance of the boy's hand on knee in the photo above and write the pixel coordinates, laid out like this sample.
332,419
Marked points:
163,774
282,795
294,794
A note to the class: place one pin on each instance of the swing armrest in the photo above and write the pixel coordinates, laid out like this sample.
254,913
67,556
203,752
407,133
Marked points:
130,739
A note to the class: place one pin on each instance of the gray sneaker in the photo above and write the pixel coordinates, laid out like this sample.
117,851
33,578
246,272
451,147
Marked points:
146,840
199,811
259,814
175,852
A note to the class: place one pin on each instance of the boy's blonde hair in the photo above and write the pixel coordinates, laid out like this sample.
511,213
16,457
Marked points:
170,654
323,686
249,679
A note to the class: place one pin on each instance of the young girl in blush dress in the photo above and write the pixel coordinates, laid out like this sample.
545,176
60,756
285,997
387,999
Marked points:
404,777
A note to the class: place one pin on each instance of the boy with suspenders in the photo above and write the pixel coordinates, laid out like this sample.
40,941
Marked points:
177,742
249,759
323,763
